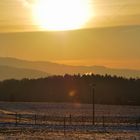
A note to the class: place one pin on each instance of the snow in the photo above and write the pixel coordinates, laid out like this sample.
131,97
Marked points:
29,131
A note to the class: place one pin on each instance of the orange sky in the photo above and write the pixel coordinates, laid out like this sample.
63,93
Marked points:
103,43
16,15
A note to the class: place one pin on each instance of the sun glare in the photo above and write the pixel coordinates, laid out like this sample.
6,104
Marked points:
61,14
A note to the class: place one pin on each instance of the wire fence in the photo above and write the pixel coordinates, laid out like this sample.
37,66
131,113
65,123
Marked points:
65,122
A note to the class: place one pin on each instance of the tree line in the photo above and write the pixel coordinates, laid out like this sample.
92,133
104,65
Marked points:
72,88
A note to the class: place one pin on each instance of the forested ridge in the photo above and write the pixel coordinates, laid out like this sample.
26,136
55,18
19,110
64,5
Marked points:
73,88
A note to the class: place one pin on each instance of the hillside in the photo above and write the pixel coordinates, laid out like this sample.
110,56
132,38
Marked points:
8,72
58,69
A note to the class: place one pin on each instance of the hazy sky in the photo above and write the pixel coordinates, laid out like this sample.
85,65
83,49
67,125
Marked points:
17,14
103,45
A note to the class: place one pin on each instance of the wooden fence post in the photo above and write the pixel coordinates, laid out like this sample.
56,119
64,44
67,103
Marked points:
70,119
136,123
35,119
16,119
64,125
103,121
82,120
19,118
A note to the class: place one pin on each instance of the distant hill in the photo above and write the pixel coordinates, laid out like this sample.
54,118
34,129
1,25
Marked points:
34,69
8,72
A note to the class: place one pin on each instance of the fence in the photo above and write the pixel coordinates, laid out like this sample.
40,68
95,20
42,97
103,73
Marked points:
45,120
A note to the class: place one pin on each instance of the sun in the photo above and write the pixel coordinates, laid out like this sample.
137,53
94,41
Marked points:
61,14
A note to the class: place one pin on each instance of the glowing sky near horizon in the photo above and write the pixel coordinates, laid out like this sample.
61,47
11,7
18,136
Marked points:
113,47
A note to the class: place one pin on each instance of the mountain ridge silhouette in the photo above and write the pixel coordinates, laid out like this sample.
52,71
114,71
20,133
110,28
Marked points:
45,68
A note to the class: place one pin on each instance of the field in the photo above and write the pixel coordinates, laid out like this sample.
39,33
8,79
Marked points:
24,121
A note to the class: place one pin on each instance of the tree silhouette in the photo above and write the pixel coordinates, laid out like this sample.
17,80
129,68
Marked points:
73,88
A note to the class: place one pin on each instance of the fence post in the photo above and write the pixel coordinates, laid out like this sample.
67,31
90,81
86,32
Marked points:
19,118
44,119
70,119
136,123
103,121
64,125
16,119
82,120
35,119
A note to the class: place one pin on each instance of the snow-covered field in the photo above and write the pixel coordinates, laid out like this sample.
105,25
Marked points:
35,132
67,108
70,136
